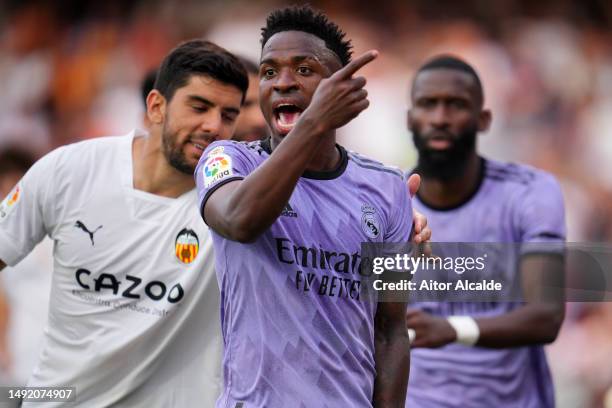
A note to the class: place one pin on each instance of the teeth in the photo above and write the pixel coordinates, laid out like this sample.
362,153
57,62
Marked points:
198,146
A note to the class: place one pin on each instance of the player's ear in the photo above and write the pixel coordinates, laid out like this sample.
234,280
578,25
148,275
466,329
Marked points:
156,107
484,120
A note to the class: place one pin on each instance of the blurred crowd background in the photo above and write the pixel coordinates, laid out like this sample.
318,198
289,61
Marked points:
72,70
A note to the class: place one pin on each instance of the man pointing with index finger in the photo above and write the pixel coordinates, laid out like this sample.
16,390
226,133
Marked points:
288,216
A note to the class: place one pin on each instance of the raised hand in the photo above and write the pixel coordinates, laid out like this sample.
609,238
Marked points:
340,98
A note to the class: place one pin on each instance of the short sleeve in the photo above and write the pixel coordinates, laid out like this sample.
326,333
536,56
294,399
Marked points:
221,163
26,214
401,218
541,216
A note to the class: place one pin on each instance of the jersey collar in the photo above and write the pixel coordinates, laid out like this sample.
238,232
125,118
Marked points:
318,175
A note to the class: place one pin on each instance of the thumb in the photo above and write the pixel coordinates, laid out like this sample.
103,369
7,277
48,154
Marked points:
414,182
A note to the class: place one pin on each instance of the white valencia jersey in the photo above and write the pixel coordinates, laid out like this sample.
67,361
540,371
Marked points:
134,311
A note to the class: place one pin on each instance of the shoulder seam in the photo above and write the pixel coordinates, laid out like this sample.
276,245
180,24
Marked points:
373,165
510,174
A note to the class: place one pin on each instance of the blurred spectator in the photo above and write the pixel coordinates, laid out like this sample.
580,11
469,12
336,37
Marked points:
251,124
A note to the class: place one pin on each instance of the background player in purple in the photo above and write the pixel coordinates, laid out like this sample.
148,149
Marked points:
480,354
288,217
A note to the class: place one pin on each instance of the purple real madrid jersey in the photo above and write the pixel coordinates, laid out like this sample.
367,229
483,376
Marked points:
514,203
296,332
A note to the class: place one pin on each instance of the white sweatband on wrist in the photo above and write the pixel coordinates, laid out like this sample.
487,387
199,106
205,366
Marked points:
466,328
411,335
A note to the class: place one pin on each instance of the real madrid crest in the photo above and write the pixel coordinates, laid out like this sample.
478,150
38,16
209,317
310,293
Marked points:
370,223
186,246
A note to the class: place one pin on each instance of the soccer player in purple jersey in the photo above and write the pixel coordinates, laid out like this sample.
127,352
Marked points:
288,217
480,354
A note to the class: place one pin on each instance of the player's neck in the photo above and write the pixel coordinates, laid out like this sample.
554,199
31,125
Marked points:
449,192
153,173
327,158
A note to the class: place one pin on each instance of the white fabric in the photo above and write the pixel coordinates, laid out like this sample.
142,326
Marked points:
106,334
466,328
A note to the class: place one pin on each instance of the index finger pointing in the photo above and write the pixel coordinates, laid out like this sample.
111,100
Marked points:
356,64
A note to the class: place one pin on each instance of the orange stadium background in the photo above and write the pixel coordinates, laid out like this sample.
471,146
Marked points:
71,70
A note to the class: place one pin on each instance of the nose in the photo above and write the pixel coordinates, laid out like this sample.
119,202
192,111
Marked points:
285,81
211,124
439,116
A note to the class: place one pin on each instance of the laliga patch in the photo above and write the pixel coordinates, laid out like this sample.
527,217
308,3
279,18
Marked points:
217,167
10,202
186,246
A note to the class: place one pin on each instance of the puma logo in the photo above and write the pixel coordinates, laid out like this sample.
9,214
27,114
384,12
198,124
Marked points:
82,226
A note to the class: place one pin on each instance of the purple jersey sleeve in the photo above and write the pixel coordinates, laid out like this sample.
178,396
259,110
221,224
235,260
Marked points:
541,215
400,219
221,163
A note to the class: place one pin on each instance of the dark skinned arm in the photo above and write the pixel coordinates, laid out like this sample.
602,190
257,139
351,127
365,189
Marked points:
242,210
392,355
539,320
536,322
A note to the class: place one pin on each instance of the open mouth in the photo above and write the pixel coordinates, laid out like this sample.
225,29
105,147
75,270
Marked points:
286,116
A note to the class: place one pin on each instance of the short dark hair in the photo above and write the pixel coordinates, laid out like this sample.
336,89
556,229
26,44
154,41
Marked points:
447,61
308,20
147,85
15,159
199,57
249,65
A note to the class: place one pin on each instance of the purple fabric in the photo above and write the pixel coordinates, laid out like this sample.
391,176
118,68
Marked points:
514,203
296,332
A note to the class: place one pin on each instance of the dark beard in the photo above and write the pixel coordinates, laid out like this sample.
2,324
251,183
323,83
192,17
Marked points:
447,164
174,154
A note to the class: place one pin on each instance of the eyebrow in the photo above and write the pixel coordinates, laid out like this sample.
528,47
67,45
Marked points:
211,104
297,58
197,98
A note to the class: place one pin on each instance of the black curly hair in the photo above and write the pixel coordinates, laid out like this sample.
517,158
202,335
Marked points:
311,21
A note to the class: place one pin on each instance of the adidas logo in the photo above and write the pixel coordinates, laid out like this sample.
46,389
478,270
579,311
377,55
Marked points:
288,211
